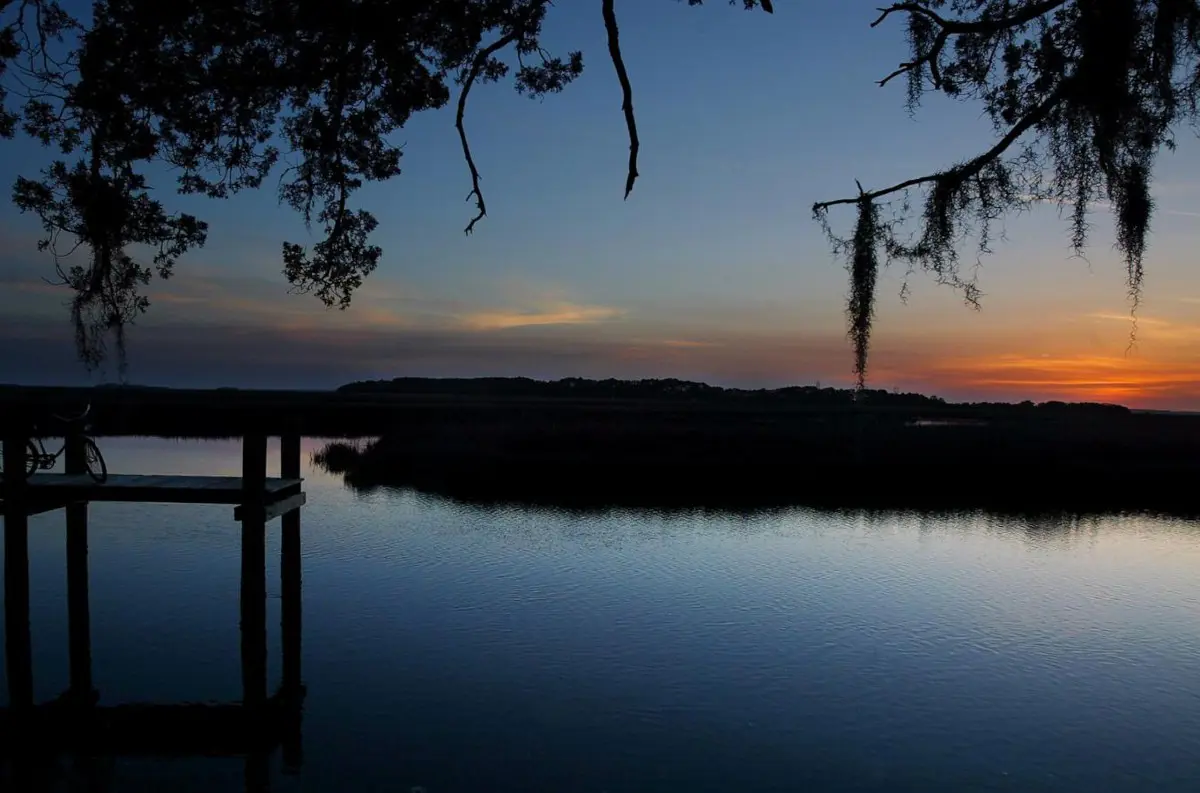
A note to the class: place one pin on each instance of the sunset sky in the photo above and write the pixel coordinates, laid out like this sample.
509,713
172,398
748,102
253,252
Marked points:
713,269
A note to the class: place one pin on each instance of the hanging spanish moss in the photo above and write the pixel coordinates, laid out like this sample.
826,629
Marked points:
1133,207
101,211
101,310
1082,94
864,270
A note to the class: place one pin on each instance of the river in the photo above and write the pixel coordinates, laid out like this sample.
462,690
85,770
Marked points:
457,649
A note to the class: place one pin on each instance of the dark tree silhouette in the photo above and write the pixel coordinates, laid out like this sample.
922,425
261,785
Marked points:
1082,93
221,91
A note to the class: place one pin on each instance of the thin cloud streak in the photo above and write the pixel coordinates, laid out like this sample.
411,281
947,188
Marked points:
561,314
1154,329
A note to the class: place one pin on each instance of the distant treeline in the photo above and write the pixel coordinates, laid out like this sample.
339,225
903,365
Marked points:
673,389
405,405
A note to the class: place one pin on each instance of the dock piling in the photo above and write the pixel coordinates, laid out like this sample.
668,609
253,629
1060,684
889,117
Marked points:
79,630
290,575
254,571
18,644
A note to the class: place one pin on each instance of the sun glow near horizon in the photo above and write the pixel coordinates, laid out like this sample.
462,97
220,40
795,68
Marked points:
955,354
1128,380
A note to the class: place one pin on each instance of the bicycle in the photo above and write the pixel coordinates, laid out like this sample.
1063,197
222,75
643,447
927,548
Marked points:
36,456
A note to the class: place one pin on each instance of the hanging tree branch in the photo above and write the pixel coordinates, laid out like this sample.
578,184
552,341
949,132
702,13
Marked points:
618,61
984,24
1090,89
476,67
614,52
963,172
870,233
955,27
478,64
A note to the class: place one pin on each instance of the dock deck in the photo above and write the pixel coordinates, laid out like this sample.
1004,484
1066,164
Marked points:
155,489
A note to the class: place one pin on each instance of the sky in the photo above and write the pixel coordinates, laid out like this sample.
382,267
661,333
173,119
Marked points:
712,270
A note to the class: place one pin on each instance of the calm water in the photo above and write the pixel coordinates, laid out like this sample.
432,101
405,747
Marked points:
456,648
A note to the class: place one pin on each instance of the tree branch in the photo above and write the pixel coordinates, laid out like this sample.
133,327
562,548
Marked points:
477,65
907,8
957,27
969,168
930,58
481,59
614,51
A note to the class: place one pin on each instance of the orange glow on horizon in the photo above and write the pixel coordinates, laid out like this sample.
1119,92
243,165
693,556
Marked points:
1069,356
1129,380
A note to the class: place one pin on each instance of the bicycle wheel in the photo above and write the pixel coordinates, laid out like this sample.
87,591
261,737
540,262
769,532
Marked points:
31,459
94,461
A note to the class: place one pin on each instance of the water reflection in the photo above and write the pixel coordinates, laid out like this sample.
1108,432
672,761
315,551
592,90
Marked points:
460,647
1037,528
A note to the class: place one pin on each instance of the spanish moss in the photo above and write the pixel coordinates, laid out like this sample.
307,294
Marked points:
864,270
1082,94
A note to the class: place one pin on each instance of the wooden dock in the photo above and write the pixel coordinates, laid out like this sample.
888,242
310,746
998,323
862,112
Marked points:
46,492
76,721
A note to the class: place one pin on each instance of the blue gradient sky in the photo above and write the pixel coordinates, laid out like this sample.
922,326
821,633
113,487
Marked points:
712,270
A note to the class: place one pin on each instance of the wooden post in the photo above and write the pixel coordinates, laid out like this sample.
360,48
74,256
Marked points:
290,575
18,644
254,571
79,621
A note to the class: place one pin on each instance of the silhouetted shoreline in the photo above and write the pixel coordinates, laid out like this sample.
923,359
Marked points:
372,408
668,443
931,489
1082,458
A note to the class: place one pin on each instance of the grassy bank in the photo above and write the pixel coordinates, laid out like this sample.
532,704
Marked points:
776,458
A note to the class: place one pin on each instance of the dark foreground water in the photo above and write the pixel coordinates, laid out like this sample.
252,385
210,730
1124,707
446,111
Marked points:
451,648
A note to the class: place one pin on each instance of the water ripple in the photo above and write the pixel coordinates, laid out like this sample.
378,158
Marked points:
499,648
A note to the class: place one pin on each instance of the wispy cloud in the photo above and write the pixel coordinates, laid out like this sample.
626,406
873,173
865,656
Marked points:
687,343
557,314
1154,328
1127,318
